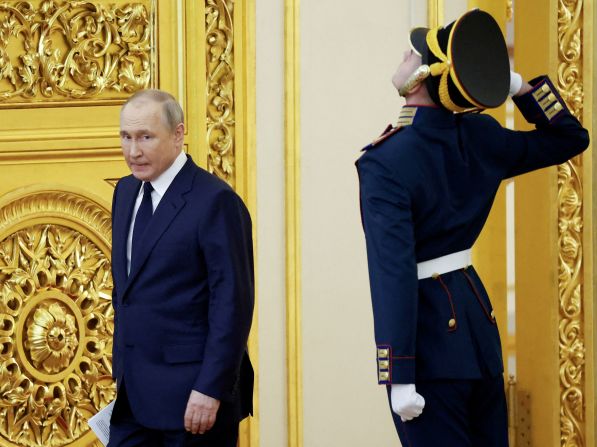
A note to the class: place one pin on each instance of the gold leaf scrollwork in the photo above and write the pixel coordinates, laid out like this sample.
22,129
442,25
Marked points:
56,318
570,224
74,50
220,88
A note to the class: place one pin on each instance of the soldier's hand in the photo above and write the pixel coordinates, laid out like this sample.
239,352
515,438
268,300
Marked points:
200,415
406,402
518,86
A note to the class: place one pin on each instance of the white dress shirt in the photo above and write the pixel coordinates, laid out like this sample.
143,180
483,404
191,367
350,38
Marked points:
160,186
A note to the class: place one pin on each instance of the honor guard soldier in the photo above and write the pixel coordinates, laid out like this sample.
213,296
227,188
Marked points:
426,189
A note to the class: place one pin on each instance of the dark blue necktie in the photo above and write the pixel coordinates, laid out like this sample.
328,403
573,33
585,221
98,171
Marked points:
142,219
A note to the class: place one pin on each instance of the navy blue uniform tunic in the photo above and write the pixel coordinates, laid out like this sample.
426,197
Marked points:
426,192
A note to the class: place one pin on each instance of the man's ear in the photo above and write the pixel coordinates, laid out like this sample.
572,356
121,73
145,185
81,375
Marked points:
179,134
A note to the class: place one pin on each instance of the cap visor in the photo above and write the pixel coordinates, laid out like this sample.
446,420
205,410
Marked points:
418,40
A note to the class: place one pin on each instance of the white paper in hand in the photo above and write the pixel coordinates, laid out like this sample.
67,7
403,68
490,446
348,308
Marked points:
100,423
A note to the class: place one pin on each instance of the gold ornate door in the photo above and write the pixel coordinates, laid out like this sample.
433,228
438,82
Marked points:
65,69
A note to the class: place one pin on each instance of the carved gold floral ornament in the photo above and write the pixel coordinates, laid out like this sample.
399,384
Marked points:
74,50
572,347
56,319
220,88
51,337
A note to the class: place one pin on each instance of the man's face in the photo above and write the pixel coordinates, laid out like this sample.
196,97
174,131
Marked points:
149,147
410,62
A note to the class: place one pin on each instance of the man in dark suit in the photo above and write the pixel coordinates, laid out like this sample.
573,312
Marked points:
427,186
182,264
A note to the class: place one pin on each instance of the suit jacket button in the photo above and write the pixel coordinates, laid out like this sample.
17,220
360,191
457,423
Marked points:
492,315
452,323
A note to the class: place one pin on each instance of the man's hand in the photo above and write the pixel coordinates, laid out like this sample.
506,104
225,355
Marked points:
200,415
406,402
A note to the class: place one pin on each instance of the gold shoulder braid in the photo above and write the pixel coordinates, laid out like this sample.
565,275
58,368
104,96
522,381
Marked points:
406,118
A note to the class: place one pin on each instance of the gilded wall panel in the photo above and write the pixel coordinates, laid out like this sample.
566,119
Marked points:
220,88
570,224
72,51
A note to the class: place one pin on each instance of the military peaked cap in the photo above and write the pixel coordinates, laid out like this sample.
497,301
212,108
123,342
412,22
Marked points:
468,60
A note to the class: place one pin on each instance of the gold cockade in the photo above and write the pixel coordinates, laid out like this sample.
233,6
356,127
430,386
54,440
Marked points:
61,50
570,223
56,318
220,88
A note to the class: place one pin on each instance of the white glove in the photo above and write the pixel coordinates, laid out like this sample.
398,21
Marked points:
406,402
515,83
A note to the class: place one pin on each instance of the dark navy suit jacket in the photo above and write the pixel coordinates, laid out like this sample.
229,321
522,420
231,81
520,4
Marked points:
426,192
183,314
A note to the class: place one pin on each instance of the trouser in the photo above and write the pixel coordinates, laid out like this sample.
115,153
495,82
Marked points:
458,413
125,431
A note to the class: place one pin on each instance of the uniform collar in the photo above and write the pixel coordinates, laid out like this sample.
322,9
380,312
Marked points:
426,116
431,117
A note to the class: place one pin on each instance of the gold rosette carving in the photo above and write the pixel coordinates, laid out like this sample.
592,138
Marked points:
51,337
570,223
56,319
220,88
74,50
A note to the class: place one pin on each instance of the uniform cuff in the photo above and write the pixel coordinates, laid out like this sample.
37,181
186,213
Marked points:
394,369
542,104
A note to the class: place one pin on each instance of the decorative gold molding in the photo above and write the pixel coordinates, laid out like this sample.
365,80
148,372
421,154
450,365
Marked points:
570,223
70,51
230,128
220,88
62,155
57,318
293,222
245,176
509,10
112,181
435,13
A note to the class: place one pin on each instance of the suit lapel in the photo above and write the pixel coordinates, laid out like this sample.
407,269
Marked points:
169,207
128,192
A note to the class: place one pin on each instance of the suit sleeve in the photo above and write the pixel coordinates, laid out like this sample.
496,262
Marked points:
114,298
558,135
114,293
227,246
389,234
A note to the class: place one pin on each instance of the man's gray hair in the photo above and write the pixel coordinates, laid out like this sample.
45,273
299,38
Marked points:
172,113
